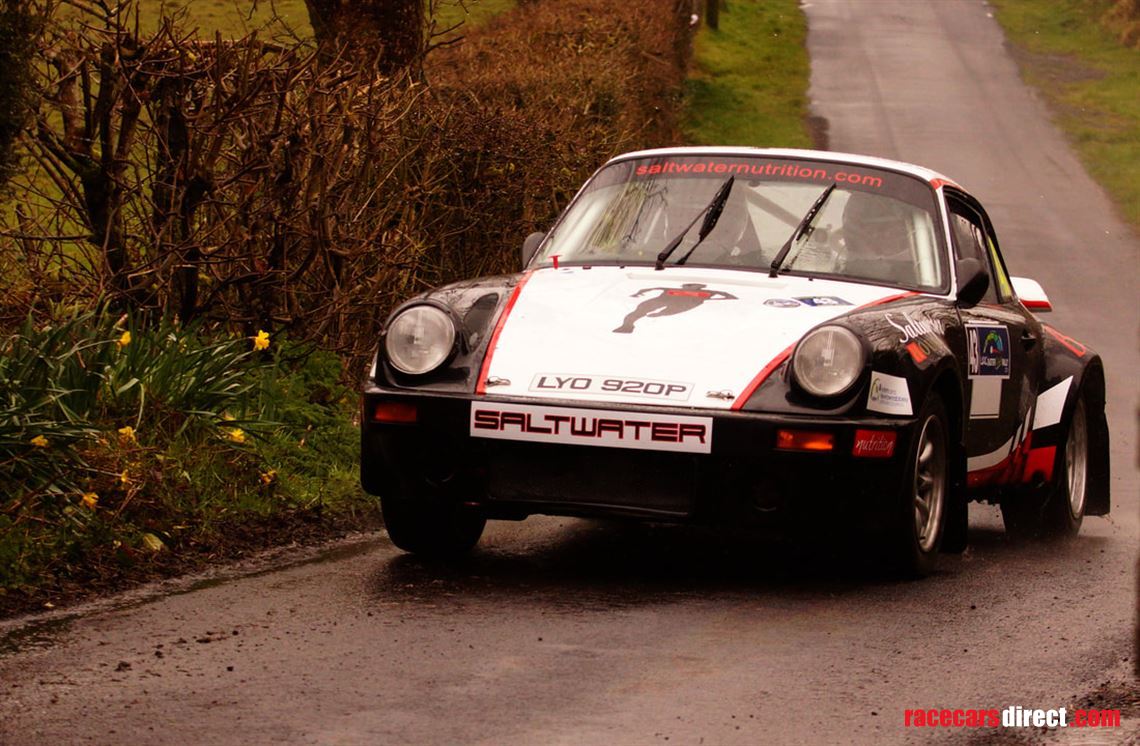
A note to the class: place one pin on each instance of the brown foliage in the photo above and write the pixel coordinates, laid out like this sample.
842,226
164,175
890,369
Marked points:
247,183
1124,17
387,35
546,94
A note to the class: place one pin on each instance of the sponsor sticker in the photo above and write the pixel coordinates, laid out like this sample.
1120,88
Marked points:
988,349
773,170
911,328
782,303
610,386
889,394
874,443
823,300
591,427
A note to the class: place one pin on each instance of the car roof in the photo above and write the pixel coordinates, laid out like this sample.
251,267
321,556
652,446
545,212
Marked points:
934,178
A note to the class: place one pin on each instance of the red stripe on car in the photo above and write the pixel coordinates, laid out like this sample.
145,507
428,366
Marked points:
1073,345
888,299
481,384
761,376
1024,465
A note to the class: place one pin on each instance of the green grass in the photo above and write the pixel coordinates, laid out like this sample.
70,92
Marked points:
1091,81
750,78
233,18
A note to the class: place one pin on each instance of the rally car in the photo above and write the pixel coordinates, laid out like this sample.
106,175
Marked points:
810,340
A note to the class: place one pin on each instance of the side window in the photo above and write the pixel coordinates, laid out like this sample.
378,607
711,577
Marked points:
970,242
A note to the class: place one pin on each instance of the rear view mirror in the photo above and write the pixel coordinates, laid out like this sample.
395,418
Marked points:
530,245
1031,294
973,282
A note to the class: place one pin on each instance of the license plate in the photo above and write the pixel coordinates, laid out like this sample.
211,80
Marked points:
591,427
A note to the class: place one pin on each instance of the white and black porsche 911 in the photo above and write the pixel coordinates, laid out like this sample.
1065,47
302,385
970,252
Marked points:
741,335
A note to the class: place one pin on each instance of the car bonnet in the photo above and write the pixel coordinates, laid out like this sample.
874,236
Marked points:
686,337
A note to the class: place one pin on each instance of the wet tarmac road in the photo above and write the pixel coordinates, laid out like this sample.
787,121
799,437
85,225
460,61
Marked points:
562,631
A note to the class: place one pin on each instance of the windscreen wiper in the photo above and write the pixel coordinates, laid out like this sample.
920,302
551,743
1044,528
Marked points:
711,212
802,228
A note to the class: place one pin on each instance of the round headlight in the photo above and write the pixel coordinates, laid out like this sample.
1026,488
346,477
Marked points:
419,340
828,361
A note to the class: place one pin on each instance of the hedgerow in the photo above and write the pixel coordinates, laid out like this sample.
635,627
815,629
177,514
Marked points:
187,197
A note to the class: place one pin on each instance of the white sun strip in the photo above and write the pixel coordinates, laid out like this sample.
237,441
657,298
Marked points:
1051,404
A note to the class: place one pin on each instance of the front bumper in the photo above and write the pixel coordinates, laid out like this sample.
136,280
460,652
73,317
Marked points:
745,476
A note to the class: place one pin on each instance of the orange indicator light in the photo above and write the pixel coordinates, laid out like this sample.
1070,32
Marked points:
395,412
804,440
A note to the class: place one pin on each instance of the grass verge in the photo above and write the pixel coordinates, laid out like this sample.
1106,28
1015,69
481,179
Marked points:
132,451
749,79
1071,52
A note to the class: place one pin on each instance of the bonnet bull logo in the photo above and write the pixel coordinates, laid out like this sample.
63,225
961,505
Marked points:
670,302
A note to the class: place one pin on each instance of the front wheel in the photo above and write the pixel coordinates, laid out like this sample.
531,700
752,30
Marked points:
432,528
917,526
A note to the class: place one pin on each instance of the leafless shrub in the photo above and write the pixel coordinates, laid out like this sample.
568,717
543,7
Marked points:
248,183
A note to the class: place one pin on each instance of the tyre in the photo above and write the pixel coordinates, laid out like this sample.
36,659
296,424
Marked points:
1066,507
1057,511
432,528
921,508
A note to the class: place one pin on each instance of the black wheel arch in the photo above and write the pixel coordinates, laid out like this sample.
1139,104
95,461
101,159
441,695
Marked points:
1091,384
946,383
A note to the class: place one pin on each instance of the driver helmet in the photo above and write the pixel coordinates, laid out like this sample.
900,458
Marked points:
876,227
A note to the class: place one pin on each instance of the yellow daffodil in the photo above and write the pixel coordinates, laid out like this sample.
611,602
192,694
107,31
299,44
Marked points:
268,477
90,499
261,341
40,441
237,435
127,435
124,340
125,478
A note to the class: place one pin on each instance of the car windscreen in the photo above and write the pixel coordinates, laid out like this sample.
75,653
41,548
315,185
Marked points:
876,225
